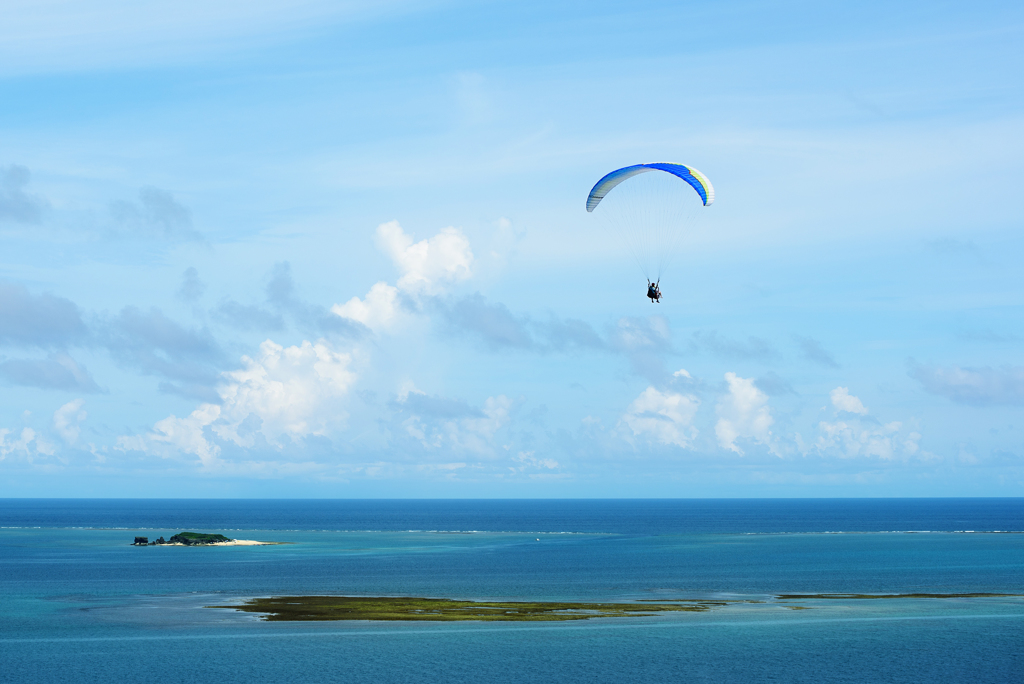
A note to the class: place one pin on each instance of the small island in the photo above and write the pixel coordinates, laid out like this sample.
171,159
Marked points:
198,539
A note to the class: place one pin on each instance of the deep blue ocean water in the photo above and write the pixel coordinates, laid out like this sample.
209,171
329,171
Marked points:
81,605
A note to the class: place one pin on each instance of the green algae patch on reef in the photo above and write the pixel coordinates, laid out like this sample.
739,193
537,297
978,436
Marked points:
844,597
321,608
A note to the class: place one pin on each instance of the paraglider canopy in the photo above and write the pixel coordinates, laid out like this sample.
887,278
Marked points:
652,212
695,178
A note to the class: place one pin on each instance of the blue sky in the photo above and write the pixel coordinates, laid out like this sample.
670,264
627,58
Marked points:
340,249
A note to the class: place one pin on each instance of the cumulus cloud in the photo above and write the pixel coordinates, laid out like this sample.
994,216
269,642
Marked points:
495,415
977,386
67,420
743,413
293,391
643,335
279,397
156,214
42,320
855,439
844,401
428,265
528,460
186,435
58,371
427,269
437,422
16,205
666,417
376,311
854,434
812,350
21,444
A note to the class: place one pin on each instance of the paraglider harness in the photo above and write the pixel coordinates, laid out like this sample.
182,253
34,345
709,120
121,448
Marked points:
654,291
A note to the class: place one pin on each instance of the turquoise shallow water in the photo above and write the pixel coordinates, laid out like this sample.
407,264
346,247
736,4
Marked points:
81,605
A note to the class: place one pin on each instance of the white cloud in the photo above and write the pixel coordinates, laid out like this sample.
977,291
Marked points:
844,401
528,461
67,420
376,311
428,265
641,334
292,391
853,439
665,416
283,392
682,373
743,413
131,443
22,443
476,434
853,434
473,431
186,434
495,410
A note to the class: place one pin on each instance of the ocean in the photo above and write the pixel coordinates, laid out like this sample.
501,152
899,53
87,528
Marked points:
79,604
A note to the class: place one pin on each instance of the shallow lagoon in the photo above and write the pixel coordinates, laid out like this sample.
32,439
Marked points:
82,605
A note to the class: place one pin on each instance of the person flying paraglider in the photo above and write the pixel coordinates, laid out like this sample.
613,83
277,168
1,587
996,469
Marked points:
654,291
649,214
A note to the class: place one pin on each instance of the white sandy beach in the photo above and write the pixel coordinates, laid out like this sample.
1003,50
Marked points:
233,542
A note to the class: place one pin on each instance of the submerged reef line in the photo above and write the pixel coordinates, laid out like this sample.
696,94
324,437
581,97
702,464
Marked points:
847,597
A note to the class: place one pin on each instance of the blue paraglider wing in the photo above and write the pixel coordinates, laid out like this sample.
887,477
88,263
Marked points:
695,178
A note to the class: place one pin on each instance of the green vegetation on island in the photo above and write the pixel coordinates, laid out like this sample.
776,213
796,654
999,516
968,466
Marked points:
184,538
321,608
318,608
